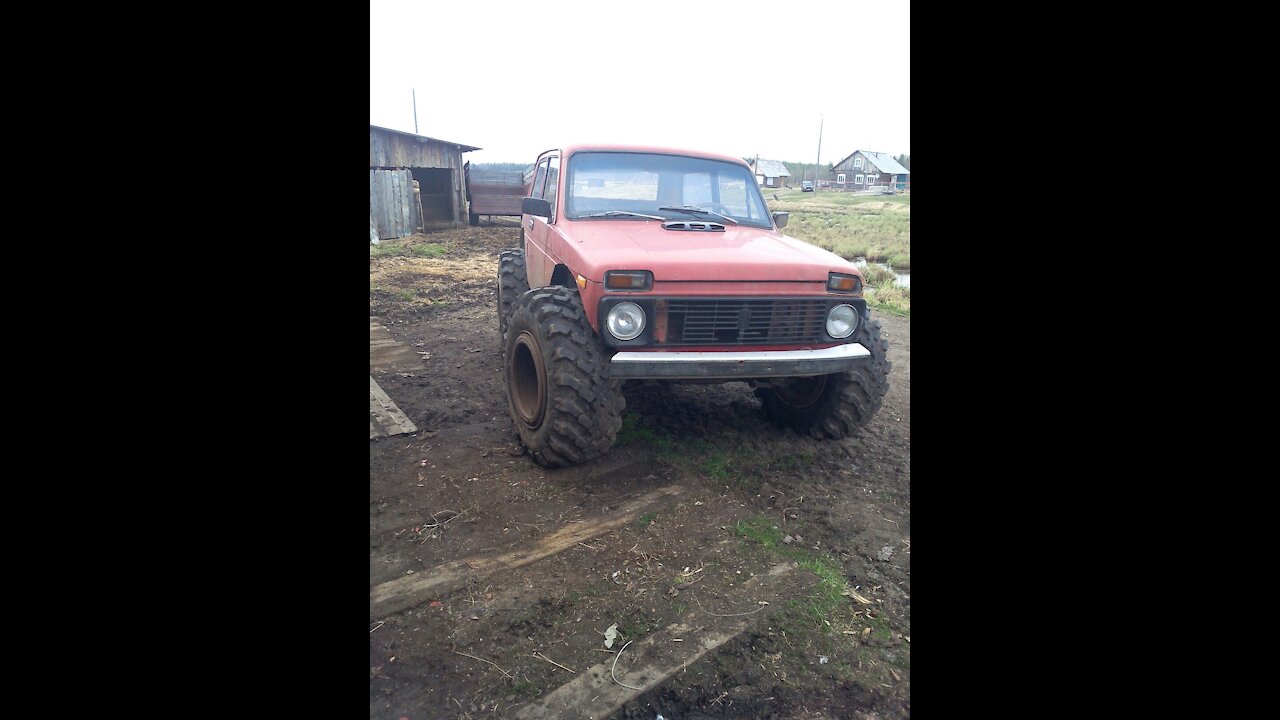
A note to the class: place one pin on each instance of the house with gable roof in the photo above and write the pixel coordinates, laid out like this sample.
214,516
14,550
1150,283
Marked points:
865,169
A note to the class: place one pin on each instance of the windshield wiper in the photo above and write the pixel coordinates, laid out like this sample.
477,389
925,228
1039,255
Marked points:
692,209
608,213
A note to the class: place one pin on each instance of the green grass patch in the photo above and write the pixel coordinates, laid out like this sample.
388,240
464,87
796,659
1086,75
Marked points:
429,250
827,601
526,688
647,518
633,433
829,594
406,295
715,465
762,532
385,250
789,461
710,460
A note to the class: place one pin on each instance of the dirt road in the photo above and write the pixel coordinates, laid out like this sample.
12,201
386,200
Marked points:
749,572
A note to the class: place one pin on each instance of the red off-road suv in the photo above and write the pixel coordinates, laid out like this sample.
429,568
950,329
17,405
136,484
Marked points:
652,263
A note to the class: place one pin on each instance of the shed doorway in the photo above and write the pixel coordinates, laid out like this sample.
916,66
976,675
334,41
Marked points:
436,185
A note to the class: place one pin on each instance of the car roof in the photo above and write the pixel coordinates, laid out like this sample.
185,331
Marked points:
654,149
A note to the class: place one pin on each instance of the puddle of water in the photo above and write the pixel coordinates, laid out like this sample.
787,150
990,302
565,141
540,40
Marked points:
900,279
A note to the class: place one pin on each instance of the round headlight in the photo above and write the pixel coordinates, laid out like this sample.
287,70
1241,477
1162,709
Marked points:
626,321
842,321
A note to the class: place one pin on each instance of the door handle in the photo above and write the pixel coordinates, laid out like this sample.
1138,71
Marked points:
530,223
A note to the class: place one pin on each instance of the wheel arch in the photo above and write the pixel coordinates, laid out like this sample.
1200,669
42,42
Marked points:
563,277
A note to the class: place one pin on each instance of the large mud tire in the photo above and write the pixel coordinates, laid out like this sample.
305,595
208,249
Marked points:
513,281
565,410
829,407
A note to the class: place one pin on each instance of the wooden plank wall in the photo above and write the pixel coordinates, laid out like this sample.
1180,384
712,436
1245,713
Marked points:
391,202
394,150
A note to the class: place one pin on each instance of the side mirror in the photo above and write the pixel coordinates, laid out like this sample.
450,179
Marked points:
780,219
535,206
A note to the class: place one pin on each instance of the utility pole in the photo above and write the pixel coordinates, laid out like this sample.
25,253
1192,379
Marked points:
415,112
819,160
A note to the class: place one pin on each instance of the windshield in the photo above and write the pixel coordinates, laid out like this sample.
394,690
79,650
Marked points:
651,184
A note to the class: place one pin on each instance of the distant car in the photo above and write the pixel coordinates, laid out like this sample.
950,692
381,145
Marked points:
806,186
880,190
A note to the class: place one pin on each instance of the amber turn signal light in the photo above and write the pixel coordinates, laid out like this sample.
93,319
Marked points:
628,280
843,283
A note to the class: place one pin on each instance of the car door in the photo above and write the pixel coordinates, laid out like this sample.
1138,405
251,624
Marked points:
553,241
534,230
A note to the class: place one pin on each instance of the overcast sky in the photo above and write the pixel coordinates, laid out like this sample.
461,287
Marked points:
518,77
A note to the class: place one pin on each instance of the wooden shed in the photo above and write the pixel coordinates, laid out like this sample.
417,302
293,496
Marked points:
398,160
770,173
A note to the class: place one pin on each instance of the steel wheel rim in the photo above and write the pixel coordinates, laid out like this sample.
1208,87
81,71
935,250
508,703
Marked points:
528,380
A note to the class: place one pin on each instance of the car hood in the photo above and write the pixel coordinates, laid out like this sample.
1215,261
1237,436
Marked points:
739,253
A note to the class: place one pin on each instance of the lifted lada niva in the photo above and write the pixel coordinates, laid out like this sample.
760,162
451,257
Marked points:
646,263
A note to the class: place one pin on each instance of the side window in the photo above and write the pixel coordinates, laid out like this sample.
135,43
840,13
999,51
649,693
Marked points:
857,179
840,178
553,184
536,190
857,162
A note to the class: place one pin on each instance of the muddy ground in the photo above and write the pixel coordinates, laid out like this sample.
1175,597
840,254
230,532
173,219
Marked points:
786,561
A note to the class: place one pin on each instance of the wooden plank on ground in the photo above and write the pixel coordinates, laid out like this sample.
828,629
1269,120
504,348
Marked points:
592,693
386,352
385,417
406,592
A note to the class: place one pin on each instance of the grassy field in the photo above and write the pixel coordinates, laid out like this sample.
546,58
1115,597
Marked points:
882,294
877,227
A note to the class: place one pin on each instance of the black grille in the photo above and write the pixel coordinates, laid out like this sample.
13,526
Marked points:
746,322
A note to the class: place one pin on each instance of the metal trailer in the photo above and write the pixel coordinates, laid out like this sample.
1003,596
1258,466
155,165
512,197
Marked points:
495,192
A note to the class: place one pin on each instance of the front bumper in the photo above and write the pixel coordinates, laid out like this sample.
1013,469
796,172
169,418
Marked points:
731,365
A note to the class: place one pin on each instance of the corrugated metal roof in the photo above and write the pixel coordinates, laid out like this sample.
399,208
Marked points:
886,163
465,148
772,168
